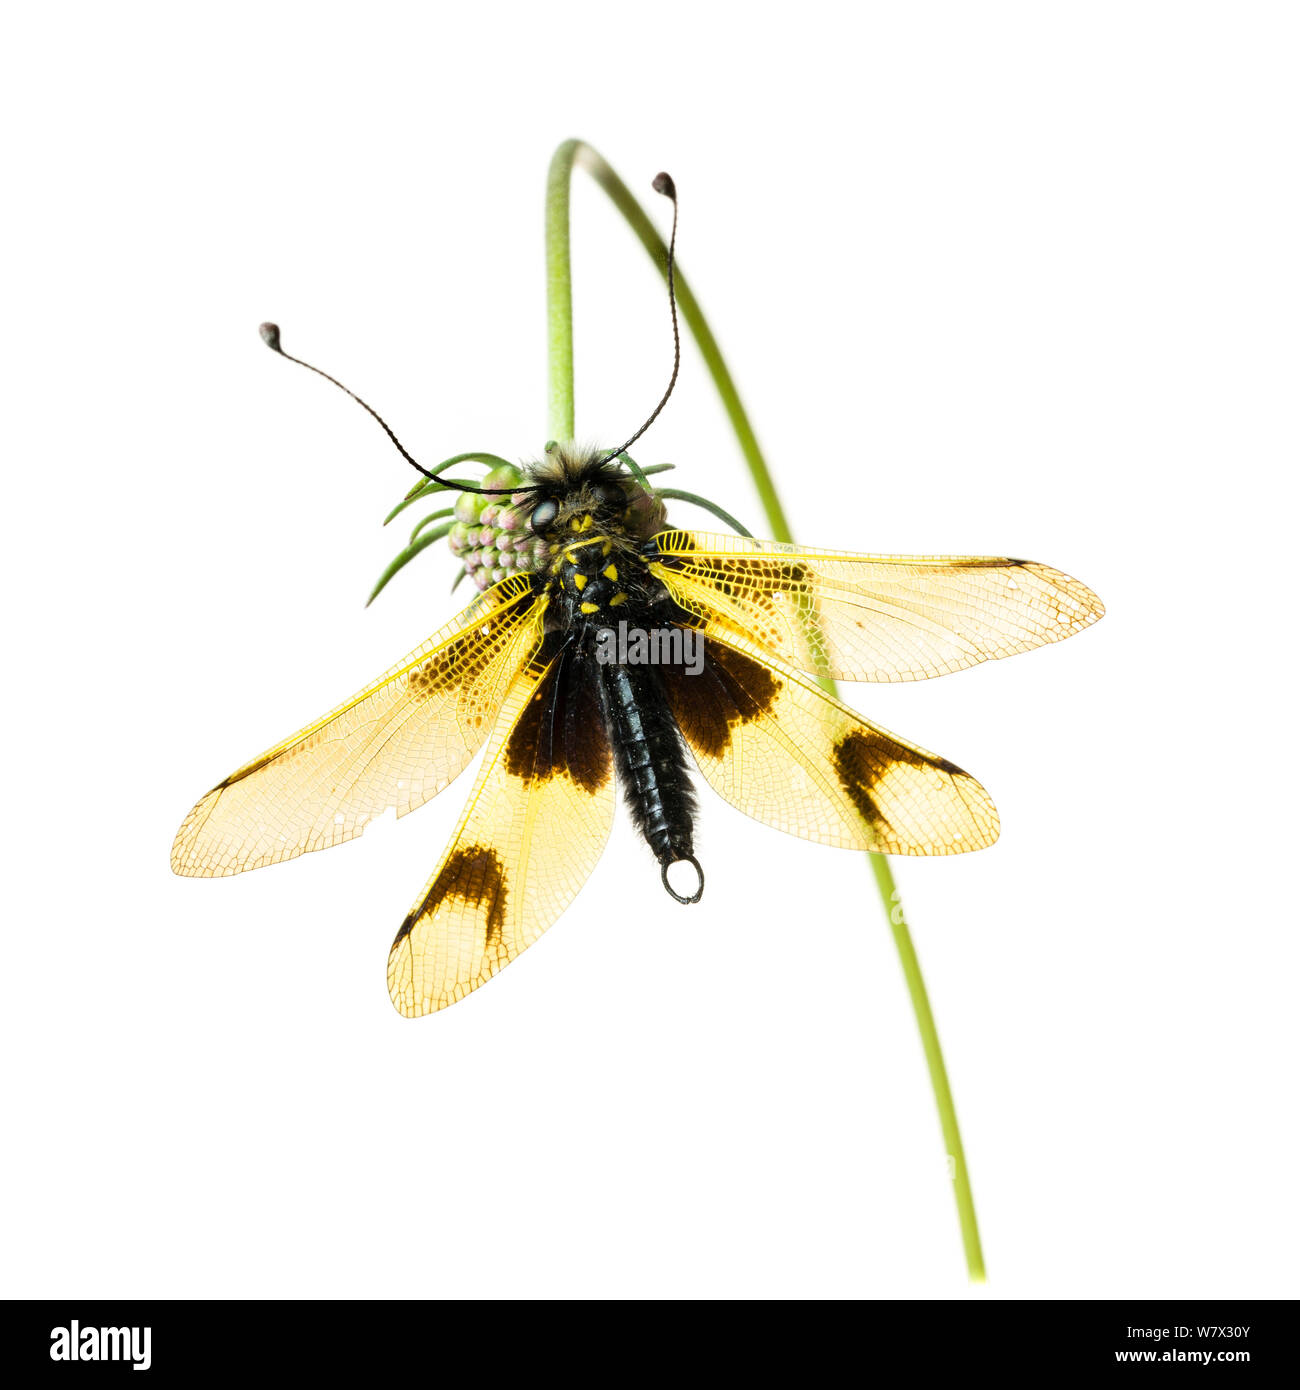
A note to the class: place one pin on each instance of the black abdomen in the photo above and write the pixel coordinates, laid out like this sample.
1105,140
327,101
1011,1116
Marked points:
652,764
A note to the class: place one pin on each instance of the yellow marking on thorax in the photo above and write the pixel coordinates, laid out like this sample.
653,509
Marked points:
580,581
578,545
611,572
618,598
591,608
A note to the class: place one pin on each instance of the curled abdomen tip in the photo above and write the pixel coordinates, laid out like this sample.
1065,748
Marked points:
699,879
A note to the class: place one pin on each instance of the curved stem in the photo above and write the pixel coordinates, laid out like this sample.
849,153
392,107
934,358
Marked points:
559,288
559,285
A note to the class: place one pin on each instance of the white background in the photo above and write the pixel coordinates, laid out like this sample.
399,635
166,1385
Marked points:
1001,279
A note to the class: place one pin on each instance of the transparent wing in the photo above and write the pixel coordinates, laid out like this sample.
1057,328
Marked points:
536,823
394,744
776,746
873,617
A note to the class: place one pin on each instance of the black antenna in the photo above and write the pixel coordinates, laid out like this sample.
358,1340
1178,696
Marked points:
271,337
663,184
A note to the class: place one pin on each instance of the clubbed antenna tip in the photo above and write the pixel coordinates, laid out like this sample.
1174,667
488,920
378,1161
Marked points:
271,337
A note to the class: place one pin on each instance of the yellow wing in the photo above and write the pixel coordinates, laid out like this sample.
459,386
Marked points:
395,744
778,748
536,823
873,617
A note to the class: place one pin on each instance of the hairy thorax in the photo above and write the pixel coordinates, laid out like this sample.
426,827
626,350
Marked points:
597,571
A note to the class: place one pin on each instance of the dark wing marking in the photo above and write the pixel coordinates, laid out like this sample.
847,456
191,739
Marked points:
536,823
777,747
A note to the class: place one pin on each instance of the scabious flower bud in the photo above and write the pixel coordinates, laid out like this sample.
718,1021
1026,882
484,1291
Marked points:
493,537
506,476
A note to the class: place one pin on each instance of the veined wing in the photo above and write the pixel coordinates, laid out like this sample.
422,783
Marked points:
873,617
776,746
394,744
536,823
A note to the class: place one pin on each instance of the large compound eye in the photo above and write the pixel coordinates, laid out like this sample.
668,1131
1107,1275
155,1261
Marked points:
609,495
544,513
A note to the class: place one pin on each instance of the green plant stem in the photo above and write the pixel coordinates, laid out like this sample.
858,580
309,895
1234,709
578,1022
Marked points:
559,303
970,1231
559,294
